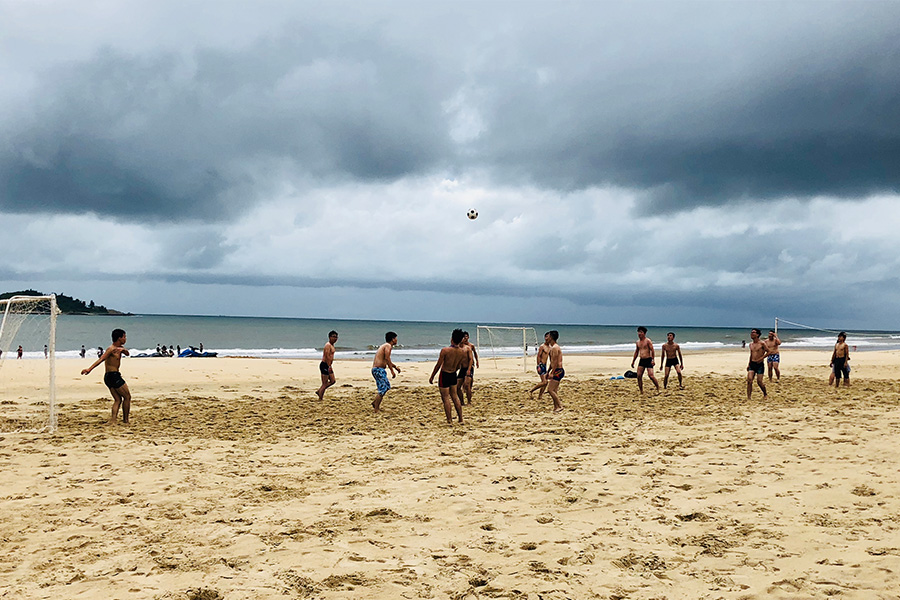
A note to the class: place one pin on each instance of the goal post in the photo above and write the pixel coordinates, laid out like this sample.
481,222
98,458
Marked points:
28,386
506,341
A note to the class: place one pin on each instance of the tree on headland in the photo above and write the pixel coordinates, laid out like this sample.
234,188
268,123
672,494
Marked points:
68,305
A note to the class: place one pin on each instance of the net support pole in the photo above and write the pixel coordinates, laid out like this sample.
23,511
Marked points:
51,425
524,352
776,325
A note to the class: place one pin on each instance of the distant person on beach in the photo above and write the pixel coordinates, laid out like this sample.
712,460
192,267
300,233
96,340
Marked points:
19,352
756,366
542,354
178,349
83,351
325,369
382,360
644,350
113,378
555,371
99,351
45,351
467,371
774,358
671,354
448,363
840,360
201,346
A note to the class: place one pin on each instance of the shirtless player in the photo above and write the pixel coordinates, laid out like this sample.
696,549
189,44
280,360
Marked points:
449,361
382,360
839,359
542,354
325,369
758,352
671,354
113,379
555,373
644,349
774,358
466,373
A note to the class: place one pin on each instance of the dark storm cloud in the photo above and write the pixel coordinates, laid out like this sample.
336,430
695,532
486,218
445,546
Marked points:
761,102
203,135
687,103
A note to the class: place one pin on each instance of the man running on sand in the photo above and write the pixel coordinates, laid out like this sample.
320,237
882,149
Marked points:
644,349
542,354
325,369
113,378
555,373
774,358
448,363
382,360
758,352
840,359
671,354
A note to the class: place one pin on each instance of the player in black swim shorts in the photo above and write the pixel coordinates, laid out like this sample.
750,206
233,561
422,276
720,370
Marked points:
118,389
325,369
448,363
644,348
447,380
113,380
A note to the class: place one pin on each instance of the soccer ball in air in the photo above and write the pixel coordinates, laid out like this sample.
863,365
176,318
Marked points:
472,214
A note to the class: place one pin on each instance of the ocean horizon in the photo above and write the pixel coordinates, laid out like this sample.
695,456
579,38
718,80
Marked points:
285,337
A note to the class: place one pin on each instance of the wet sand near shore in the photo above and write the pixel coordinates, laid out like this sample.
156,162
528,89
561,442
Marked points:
234,481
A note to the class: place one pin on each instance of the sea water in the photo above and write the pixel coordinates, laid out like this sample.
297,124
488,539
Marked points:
418,341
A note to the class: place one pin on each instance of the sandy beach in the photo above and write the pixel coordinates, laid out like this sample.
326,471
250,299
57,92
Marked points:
233,481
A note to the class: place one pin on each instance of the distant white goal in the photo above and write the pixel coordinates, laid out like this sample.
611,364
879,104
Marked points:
28,364
505,341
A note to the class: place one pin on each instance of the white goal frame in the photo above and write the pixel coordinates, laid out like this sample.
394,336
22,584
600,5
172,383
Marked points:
5,306
525,341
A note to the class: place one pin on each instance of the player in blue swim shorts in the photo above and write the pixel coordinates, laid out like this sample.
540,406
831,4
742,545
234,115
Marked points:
380,365
382,383
774,358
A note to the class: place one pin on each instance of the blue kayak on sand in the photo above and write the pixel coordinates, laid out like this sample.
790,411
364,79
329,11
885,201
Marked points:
191,353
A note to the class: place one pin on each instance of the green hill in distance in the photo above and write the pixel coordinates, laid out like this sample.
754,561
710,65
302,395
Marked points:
68,305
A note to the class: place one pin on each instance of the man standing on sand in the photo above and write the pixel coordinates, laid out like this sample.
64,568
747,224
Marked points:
382,360
774,358
325,369
672,356
756,366
840,359
466,373
555,372
542,354
113,378
644,349
448,363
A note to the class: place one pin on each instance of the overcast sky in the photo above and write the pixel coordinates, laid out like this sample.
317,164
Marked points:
671,163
